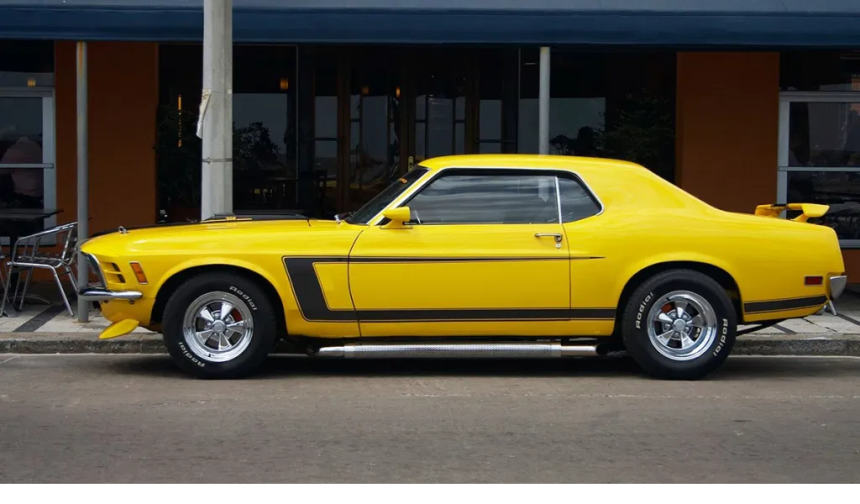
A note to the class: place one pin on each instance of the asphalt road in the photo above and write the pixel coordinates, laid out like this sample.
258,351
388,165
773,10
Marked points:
137,419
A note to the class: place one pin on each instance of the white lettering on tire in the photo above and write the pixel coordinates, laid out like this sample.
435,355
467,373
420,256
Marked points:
723,333
244,296
642,310
190,356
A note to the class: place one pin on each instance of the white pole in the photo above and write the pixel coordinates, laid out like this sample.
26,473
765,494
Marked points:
83,174
543,102
216,121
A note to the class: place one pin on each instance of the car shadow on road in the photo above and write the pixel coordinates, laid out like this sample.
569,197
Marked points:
621,367
286,366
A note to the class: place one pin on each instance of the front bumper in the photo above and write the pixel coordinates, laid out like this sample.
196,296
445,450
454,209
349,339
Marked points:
98,294
837,286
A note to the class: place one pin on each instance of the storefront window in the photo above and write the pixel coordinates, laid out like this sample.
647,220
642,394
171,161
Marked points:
611,105
498,90
27,175
820,71
26,64
264,129
819,151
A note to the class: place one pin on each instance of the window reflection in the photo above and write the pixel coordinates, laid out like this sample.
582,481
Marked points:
819,71
21,130
840,190
498,92
27,63
21,137
487,199
325,145
576,202
374,135
615,105
824,134
490,119
264,128
24,64
440,104
264,160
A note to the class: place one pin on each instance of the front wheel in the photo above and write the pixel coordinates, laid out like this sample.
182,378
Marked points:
679,325
219,325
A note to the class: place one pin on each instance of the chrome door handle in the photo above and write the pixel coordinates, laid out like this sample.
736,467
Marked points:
557,237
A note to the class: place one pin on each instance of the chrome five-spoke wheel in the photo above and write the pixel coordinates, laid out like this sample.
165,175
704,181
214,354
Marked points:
682,325
218,326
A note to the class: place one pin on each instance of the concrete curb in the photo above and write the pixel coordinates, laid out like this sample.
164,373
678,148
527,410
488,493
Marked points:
88,343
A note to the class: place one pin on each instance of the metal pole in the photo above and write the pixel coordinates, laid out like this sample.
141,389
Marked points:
543,102
83,174
216,122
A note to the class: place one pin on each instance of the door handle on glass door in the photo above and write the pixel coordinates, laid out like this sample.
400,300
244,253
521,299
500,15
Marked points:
557,237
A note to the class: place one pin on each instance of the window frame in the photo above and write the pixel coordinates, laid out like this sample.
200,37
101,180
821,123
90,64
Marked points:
49,148
428,178
786,98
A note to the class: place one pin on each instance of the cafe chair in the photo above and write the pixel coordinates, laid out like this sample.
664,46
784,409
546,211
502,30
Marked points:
30,253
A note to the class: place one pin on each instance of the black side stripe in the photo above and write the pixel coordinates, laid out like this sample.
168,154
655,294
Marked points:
313,307
308,290
784,304
400,260
513,314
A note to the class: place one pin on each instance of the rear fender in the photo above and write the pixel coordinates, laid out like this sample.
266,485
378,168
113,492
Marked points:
674,258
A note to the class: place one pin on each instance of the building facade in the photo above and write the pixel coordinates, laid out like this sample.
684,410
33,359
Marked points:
738,104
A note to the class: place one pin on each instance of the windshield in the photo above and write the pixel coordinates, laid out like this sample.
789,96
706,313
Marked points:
381,200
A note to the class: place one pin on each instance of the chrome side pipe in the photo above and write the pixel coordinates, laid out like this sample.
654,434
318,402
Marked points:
457,350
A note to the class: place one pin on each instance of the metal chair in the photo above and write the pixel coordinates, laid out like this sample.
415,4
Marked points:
26,257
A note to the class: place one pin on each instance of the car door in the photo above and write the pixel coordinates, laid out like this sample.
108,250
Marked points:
484,254
593,265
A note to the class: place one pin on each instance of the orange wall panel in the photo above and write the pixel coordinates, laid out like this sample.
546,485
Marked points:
852,265
727,131
123,96
727,127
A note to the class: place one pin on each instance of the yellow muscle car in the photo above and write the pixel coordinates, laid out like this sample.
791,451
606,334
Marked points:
475,256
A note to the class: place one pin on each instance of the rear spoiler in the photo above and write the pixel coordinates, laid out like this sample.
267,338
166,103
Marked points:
808,210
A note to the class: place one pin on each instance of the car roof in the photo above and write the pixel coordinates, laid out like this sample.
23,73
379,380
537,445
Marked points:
527,161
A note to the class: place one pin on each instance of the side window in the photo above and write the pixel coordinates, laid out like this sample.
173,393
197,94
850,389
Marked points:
487,199
576,202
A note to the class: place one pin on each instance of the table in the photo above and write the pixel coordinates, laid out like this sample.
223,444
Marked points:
20,222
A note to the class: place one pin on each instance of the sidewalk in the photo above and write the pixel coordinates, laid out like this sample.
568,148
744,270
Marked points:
44,328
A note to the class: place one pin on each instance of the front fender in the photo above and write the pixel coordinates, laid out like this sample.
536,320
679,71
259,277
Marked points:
197,262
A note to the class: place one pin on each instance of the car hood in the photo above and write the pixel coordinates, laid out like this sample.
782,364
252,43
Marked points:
138,238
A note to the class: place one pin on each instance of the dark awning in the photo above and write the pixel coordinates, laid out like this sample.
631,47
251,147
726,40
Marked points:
690,23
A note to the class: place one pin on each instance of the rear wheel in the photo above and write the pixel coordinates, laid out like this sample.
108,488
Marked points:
219,325
679,324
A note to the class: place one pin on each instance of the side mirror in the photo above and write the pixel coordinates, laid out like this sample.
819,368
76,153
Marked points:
398,216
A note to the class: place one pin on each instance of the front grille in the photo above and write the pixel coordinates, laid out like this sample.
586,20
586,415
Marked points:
96,267
114,274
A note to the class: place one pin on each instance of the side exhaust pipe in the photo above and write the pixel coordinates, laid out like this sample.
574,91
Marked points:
457,350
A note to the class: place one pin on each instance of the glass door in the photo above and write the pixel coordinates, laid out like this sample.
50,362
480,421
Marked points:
441,91
327,134
27,150
819,157
375,110
378,112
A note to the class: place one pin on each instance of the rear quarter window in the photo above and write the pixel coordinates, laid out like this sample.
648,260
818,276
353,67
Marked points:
577,203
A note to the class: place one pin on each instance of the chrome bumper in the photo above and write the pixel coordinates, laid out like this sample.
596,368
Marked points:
95,294
837,286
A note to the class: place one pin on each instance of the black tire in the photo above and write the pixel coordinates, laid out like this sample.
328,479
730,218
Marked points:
248,297
639,345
